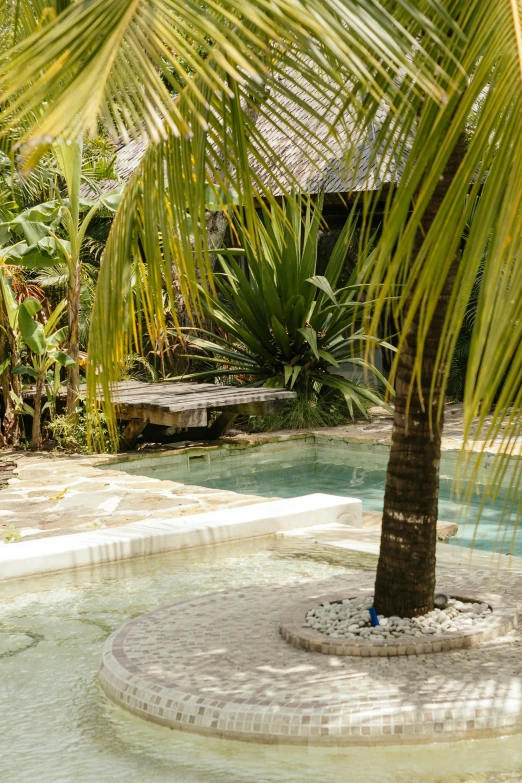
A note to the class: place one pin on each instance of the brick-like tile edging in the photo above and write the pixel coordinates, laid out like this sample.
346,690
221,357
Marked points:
218,665
294,629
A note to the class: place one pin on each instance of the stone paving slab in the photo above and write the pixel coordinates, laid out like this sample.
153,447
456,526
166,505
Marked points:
218,665
379,428
57,495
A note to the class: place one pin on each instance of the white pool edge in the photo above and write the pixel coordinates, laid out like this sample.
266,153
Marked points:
150,537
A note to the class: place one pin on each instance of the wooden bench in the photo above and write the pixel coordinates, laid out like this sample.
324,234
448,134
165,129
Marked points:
187,405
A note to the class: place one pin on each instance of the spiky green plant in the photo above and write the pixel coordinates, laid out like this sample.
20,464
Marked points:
282,323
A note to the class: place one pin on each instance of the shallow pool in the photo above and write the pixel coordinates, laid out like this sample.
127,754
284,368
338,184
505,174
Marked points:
298,467
56,725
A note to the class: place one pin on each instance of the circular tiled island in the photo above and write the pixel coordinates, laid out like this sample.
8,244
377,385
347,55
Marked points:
218,664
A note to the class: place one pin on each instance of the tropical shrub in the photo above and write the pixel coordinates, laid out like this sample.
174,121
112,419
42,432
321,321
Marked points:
53,235
309,410
280,323
44,359
70,434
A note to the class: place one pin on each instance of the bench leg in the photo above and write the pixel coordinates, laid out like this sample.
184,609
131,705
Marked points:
131,432
223,422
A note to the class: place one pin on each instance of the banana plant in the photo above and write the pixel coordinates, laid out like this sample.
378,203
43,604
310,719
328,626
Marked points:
9,351
52,233
46,359
281,323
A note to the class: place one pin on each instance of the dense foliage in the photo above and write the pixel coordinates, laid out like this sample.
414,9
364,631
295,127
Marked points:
281,323
409,75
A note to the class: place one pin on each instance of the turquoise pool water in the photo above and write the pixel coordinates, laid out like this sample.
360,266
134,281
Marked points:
285,481
299,467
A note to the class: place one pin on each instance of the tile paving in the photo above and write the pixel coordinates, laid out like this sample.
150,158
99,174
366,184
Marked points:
218,665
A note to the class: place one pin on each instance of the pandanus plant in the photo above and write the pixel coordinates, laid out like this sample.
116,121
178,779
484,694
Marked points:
282,323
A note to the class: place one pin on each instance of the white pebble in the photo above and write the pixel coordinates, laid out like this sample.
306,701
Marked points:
350,619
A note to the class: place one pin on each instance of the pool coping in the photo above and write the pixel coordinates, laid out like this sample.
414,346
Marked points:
149,537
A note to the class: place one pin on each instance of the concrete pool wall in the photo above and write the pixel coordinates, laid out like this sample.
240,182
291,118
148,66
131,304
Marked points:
328,445
163,535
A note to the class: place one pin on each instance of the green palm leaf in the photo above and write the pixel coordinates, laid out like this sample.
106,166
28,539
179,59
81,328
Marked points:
122,62
479,222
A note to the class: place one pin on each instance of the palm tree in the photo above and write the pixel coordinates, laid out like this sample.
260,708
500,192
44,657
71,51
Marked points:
405,583
430,62
452,177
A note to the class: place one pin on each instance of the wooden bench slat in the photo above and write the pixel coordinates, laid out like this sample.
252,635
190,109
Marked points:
186,405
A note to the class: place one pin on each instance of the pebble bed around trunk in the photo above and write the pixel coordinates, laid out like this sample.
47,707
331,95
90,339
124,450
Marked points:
350,619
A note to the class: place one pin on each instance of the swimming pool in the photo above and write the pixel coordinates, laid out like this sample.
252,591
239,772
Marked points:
298,467
57,726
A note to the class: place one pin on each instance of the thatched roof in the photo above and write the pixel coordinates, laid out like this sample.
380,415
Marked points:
305,162
128,158
311,157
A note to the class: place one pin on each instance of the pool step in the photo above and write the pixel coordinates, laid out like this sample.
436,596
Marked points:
150,537
445,530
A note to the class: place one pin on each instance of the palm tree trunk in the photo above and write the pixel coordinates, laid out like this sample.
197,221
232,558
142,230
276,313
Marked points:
405,582
73,372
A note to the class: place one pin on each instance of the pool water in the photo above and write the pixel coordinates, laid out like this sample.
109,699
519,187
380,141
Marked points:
368,485
297,468
57,726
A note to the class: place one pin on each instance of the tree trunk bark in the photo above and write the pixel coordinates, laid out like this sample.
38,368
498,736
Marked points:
36,434
73,373
405,583
11,420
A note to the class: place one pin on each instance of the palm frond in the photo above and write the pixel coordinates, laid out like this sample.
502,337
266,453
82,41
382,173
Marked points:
123,61
20,18
126,62
479,222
